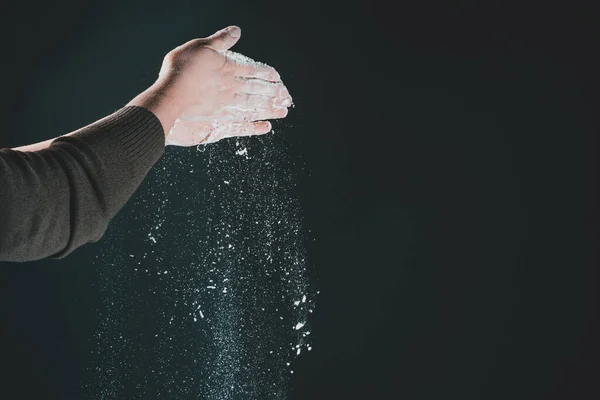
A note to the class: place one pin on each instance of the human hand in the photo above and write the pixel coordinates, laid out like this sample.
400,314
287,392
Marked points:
218,93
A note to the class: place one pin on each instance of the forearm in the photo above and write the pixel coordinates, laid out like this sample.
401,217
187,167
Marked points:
35,146
59,197
155,100
152,99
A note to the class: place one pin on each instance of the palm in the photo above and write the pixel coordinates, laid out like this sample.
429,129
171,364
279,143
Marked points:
221,93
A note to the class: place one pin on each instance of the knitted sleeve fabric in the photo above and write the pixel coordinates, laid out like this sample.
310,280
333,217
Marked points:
57,199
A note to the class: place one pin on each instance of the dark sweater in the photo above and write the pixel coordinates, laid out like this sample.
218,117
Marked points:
54,200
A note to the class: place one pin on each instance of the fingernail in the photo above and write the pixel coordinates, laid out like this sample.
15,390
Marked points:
286,102
234,31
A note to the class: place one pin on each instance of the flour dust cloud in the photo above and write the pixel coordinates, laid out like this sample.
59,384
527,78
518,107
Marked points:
203,279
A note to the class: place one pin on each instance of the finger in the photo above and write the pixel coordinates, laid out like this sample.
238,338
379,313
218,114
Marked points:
262,87
249,128
275,113
264,114
247,101
256,70
262,127
252,101
225,38
285,94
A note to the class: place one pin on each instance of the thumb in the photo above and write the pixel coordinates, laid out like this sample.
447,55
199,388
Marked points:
225,38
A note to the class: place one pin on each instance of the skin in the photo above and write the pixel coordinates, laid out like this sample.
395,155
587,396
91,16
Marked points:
205,92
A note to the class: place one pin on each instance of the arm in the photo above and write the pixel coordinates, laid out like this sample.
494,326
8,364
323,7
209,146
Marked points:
59,197
61,193
152,99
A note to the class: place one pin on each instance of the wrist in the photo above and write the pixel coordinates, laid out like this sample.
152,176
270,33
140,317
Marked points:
155,100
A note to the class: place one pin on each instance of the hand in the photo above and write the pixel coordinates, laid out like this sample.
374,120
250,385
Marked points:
218,93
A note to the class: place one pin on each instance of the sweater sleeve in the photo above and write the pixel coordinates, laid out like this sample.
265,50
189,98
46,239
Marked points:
57,199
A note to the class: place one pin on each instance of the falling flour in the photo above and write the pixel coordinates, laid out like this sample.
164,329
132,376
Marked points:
232,313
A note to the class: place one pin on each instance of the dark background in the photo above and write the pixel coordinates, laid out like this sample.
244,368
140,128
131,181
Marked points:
448,184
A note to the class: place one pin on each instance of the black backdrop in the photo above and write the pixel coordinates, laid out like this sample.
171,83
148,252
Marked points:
450,175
